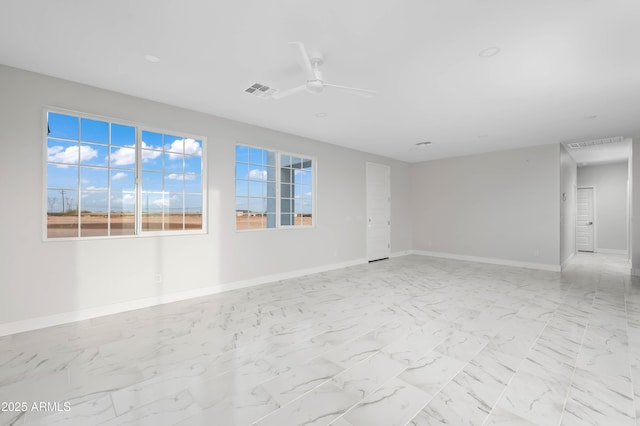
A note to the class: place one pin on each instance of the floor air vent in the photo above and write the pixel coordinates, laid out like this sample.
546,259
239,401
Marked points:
595,142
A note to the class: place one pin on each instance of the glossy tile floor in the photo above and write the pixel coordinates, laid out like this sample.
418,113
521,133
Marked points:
411,340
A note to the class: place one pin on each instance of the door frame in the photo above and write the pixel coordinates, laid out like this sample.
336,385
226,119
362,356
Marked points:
595,219
387,167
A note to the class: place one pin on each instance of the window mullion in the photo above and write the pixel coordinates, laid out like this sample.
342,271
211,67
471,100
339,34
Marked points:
109,183
278,202
79,207
138,182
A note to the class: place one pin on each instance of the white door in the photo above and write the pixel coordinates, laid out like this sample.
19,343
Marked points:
378,211
584,220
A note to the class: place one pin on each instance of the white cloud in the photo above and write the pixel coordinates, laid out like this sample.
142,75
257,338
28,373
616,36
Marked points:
69,155
180,176
191,147
126,199
161,202
258,174
149,155
119,175
127,156
123,157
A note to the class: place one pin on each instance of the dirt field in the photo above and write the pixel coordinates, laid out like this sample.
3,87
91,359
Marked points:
96,225
259,222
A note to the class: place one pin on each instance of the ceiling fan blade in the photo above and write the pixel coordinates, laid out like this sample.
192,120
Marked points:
288,92
353,90
303,60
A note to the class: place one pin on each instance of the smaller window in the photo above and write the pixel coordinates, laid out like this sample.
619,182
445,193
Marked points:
272,189
255,188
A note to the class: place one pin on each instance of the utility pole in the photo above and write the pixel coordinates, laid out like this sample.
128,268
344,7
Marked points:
62,193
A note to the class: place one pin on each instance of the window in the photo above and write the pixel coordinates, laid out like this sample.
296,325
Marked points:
273,189
111,179
171,182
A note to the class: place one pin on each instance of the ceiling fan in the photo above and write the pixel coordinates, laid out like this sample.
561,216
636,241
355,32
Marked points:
315,84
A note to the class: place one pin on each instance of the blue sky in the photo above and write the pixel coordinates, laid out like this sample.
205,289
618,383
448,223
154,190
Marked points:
256,179
80,155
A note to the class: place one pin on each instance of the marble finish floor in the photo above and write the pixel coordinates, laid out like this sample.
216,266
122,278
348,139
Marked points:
408,341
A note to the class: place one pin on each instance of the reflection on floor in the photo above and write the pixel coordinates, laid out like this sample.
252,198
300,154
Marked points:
411,340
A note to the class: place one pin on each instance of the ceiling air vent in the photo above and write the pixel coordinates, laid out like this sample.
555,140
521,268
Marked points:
260,90
595,142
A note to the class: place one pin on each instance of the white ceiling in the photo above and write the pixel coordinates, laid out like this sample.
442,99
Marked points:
560,63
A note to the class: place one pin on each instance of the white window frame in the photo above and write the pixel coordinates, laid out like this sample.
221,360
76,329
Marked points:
314,195
139,128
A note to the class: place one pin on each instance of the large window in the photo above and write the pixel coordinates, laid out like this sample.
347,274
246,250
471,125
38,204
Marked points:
111,179
272,189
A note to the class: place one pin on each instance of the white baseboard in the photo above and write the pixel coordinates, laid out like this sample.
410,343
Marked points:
504,262
611,251
399,253
567,260
85,314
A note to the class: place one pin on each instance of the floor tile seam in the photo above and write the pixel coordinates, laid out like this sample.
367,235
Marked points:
320,355
516,371
21,419
259,339
575,366
253,359
376,389
353,339
636,403
172,396
113,406
342,372
448,381
326,381
296,398
437,392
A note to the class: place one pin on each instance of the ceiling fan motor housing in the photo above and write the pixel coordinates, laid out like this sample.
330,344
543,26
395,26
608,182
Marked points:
315,86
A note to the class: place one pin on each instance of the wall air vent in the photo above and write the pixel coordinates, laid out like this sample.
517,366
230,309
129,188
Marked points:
260,90
595,142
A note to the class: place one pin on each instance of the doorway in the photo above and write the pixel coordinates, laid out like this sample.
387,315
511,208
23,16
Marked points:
585,220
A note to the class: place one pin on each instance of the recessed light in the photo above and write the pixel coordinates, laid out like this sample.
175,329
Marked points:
152,58
590,117
489,52
321,115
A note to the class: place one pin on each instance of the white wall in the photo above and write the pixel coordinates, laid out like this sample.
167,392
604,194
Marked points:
568,185
634,208
610,182
500,205
44,278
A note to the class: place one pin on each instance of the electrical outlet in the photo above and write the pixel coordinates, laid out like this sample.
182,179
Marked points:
158,278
